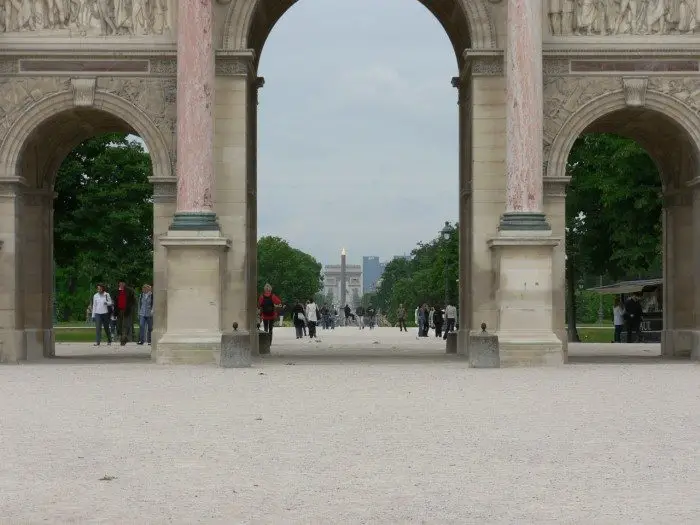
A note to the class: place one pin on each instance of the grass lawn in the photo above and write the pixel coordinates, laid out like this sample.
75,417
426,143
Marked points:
596,335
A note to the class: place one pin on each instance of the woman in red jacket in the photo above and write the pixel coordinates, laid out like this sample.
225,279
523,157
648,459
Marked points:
267,304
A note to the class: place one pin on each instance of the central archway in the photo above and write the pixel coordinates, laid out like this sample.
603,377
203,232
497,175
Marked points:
468,23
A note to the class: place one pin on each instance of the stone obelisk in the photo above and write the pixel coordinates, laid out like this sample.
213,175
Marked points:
343,278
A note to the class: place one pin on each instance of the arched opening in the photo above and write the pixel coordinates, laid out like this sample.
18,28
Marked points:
91,225
345,153
630,229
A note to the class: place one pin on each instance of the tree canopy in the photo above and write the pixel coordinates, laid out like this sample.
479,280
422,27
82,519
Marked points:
613,216
293,274
103,220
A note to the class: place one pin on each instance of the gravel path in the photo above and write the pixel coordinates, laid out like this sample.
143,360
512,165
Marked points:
323,440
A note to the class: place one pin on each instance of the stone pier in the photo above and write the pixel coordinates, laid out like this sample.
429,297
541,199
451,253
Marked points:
523,250
195,245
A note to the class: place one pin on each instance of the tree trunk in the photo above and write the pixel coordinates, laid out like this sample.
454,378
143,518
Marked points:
572,331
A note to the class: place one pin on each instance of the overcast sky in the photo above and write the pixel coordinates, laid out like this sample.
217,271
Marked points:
357,128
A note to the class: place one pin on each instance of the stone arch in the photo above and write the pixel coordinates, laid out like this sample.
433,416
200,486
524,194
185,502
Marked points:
53,105
241,13
597,108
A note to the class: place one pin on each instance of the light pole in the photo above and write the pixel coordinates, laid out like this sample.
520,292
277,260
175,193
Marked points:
446,232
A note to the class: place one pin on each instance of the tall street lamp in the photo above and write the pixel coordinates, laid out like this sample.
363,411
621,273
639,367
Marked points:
445,233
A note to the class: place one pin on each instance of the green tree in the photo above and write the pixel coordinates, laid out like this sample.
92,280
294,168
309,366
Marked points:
103,220
293,274
613,214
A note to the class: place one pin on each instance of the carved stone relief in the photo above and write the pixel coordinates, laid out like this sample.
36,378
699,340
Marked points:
154,96
686,90
564,95
85,17
623,17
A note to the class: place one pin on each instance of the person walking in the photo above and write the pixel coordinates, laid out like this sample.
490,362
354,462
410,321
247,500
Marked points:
312,317
145,314
298,318
633,317
101,309
450,319
401,315
360,312
267,306
438,321
618,320
125,305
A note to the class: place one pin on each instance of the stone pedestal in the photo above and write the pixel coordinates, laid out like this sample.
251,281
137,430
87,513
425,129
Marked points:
235,350
523,264
451,343
195,266
264,343
484,351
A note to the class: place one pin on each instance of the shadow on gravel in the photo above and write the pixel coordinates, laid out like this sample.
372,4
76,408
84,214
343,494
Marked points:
350,356
625,360
126,357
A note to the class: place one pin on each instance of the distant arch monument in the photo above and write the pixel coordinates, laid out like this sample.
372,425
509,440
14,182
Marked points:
530,78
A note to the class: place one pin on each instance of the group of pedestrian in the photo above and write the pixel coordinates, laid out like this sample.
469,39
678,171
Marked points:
116,315
361,316
430,317
628,316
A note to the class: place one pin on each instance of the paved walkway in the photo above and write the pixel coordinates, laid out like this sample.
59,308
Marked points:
350,440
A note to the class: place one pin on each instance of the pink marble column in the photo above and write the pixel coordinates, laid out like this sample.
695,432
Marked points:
524,109
195,122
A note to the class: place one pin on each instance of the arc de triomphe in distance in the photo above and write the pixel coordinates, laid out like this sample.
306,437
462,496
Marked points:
531,77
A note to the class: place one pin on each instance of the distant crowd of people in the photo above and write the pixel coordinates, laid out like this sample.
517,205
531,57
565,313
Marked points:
116,315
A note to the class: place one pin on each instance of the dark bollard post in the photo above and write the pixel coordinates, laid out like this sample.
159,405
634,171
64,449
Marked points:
264,342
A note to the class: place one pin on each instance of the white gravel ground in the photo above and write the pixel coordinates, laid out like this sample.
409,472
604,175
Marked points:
314,435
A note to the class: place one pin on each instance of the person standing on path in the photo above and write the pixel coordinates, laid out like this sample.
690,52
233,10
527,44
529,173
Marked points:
450,319
145,314
618,320
298,318
401,314
312,317
101,306
438,321
267,305
125,305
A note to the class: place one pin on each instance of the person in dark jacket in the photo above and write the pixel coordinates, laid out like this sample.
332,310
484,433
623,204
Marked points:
124,307
299,319
633,318
438,321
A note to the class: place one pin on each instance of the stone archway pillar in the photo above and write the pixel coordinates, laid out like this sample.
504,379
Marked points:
12,341
694,186
195,246
523,250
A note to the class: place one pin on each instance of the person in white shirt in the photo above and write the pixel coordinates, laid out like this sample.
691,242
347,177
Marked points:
450,319
312,316
618,319
101,305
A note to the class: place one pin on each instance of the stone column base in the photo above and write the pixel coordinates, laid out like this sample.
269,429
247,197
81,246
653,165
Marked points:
12,346
523,265
695,347
195,270
677,343
40,343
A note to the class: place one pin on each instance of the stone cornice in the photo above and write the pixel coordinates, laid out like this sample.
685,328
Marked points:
235,63
483,63
619,52
556,186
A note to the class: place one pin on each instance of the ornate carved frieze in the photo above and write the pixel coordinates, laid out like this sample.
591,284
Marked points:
635,91
564,95
86,18
164,189
83,91
487,66
234,65
555,66
556,186
136,65
623,17
686,90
